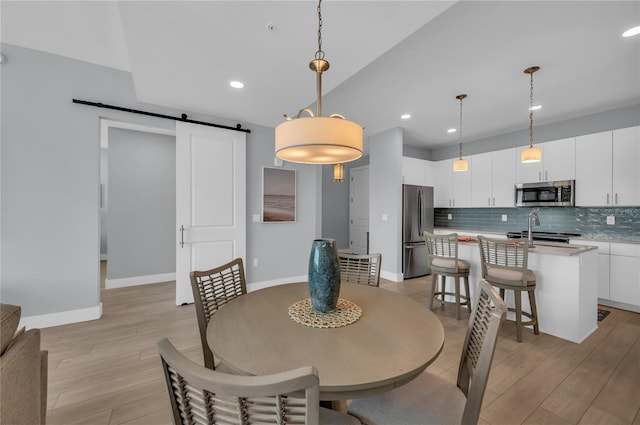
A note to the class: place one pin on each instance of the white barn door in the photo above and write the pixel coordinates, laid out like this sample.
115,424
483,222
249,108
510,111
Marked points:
210,201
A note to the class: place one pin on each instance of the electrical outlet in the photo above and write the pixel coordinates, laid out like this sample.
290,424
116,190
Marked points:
256,218
449,216
504,217
256,263
611,219
385,217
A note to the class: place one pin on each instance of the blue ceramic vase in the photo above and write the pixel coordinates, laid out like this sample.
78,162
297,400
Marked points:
324,275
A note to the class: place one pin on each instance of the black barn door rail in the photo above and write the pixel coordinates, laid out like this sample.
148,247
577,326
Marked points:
183,118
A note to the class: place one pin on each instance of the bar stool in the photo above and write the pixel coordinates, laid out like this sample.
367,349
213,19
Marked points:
504,265
444,262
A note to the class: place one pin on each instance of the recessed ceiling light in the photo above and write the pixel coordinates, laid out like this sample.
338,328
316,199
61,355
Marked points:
535,107
451,130
405,116
631,32
236,84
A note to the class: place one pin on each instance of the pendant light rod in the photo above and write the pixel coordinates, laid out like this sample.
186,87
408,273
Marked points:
460,164
530,71
460,97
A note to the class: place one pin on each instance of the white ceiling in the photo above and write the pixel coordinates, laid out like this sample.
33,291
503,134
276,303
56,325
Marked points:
387,57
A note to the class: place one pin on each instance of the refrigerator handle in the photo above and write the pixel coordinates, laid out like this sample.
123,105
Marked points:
419,211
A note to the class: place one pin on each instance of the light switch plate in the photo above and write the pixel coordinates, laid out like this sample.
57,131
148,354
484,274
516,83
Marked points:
504,217
611,219
449,216
385,217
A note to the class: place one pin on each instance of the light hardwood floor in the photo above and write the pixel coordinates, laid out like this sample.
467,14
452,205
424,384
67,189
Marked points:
107,371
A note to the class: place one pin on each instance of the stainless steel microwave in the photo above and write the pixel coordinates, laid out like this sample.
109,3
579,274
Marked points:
546,194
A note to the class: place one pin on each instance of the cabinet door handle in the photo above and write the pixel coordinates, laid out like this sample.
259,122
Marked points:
616,199
546,176
607,198
539,176
494,202
489,201
181,236
454,202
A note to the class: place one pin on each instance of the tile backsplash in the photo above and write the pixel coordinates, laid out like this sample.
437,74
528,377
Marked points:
585,221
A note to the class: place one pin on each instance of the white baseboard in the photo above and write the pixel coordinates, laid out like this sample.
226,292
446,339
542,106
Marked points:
61,318
265,284
394,277
138,280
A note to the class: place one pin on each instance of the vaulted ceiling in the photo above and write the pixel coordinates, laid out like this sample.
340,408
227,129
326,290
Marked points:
387,58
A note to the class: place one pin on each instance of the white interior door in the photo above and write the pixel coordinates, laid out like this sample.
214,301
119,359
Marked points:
359,210
210,200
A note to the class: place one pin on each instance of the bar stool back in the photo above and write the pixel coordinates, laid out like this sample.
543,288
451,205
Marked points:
444,262
504,265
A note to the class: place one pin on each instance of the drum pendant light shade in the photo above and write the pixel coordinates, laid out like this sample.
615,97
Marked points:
531,155
460,165
319,140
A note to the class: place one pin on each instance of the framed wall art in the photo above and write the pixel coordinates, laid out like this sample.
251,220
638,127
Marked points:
278,195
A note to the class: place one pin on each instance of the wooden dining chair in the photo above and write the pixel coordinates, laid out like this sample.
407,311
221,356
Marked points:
211,290
363,269
432,399
199,395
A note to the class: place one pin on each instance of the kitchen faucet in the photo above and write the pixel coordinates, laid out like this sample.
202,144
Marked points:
532,214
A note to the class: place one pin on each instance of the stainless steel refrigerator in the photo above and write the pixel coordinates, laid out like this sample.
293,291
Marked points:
417,216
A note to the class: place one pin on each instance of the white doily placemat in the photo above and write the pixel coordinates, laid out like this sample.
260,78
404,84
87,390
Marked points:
344,314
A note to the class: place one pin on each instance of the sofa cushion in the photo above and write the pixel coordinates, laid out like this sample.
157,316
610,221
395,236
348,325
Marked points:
9,319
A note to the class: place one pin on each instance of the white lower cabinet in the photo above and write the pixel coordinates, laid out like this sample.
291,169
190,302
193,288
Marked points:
618,273
625,273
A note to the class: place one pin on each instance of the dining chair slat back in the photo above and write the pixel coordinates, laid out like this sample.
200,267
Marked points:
362,269
434,399
201,396
211,290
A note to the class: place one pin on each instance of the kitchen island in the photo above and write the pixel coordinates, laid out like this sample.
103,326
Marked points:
566,289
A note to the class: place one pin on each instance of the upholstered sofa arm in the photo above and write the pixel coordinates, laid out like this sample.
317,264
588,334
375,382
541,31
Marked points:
23,387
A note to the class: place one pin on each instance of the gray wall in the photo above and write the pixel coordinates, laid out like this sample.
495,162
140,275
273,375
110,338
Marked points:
50,241
141,218
336,203
385,198
608,120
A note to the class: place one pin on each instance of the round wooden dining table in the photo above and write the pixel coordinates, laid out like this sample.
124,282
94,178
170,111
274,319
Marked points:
392,342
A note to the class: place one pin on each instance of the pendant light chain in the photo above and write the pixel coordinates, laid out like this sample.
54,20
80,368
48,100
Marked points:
320,52
531,111
461,125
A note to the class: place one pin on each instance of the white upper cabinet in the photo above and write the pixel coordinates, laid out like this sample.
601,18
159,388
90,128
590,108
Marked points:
504,178
452,189
416,171
607,172
443,189
559,160
462,186
493,178
558,163
626,171
482,180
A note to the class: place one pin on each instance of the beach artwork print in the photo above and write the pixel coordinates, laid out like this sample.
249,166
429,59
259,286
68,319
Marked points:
278,195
